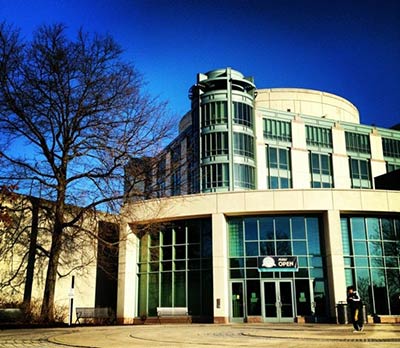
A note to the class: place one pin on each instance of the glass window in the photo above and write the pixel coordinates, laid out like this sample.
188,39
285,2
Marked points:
358,228
253,297
299,248
360,173
252,249
236,238
283,248
317,136
282,227
278,130
313,236
279,167
391,147
321,170
373,228
267,228
298,228
250,228
374,260
356,142
243,144
360,248
267,248
244,176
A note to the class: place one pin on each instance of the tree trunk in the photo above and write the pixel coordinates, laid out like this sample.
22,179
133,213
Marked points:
47,311
32,252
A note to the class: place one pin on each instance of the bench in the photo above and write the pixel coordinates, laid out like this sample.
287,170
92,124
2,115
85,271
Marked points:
105,314
173,312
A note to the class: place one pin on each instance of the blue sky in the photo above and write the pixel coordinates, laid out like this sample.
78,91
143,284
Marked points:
349,48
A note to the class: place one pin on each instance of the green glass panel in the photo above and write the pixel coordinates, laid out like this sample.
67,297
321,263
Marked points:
283,248
166,289
142,294
390,249
360,248
267,248
282,227
373,228
299,248
388,229
298,228
179,289
358,228
361,261
236,238
250,228
153,294
375,248
313,236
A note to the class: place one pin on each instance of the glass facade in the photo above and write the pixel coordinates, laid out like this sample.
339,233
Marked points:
260,236
321,170
318,136
175,268
360,173
358,143
214,113
278,168
278,130
391,147
371,249
215,176
243,114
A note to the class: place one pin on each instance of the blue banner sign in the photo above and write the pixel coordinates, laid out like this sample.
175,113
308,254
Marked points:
278,264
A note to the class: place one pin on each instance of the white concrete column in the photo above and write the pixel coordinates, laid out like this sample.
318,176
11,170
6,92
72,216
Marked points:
378,164
260,152
299,155
127,277
340,160
334,259
220,268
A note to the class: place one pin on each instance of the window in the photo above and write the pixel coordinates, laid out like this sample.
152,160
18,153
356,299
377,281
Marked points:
175,268
390,167
244,176
356,142
260,236
360,173
278,168
243,144
372,261
214,113
215,175
317,136
321,170
243,114
391,147
278,130
214,144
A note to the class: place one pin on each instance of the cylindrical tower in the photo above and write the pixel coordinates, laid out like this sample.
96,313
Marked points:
223,125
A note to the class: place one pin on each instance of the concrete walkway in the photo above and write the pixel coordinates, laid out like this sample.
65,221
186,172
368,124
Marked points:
204,336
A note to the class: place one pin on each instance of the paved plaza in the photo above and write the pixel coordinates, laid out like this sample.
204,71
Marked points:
205,336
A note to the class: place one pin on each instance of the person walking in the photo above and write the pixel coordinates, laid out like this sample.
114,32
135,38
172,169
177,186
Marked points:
356,309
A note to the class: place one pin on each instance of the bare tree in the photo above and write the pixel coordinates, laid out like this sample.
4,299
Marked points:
72,113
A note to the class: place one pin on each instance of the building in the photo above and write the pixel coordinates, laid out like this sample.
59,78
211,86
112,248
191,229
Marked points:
269,210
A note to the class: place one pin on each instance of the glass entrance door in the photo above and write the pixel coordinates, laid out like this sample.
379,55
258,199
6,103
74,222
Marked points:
278,301
237,302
